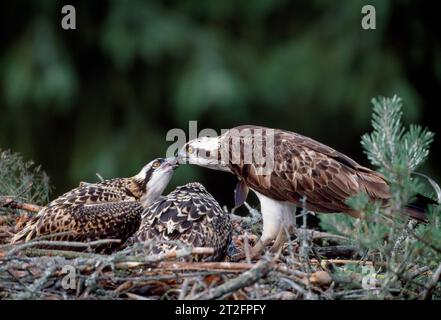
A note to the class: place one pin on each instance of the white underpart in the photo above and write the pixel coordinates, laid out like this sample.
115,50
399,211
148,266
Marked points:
276,215
156,185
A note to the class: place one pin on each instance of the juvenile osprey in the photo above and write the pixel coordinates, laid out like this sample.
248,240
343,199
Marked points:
190,215
287,170
106,210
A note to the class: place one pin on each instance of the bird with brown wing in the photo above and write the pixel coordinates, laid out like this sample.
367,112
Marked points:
110,209
189,215
287,170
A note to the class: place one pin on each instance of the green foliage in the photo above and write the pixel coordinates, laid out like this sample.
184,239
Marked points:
384,233
36,71
390,147
393,150
132,70
22,180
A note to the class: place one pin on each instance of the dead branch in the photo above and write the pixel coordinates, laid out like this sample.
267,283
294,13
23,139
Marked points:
247,278
294,286
341,262
337,251
23,191
213,266
427,294
71,244
12,203
425,242
32,252
319,235
283,295
175,254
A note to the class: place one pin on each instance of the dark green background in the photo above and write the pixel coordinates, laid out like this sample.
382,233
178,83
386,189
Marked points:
102,98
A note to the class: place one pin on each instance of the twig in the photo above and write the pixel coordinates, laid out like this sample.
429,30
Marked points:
181,253
71,244
284,295
184,289
425,242
342,261
337,251
245,279
155,275
427,294
294,286
419,271
403,236
56,253
37,284
12,203
224,266
313,234
291,272
317,235
11,199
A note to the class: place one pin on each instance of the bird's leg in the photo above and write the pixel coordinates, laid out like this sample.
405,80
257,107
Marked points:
286,229
276,216
282,237
279,228
280,240
257,249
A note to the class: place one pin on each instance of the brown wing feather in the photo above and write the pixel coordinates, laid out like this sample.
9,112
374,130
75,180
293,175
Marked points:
87,223
188,214
89,212
107,191
307,168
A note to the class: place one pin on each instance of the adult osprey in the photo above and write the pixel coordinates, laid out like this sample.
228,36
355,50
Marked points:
190,215
110,209
287,170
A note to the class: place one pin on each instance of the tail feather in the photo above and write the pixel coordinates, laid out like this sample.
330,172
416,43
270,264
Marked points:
23,234
27,233
418,208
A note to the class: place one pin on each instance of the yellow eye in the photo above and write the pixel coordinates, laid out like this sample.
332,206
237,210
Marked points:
190,150
156,164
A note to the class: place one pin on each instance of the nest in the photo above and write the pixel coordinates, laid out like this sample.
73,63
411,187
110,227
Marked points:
311,265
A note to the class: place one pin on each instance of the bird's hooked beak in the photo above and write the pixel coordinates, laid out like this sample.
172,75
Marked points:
181,157
171,162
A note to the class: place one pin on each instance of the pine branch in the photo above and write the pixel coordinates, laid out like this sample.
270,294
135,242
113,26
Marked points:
390,146
383,231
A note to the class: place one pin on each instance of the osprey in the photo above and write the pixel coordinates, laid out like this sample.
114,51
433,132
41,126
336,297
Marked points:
190,215
287,170
110,209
